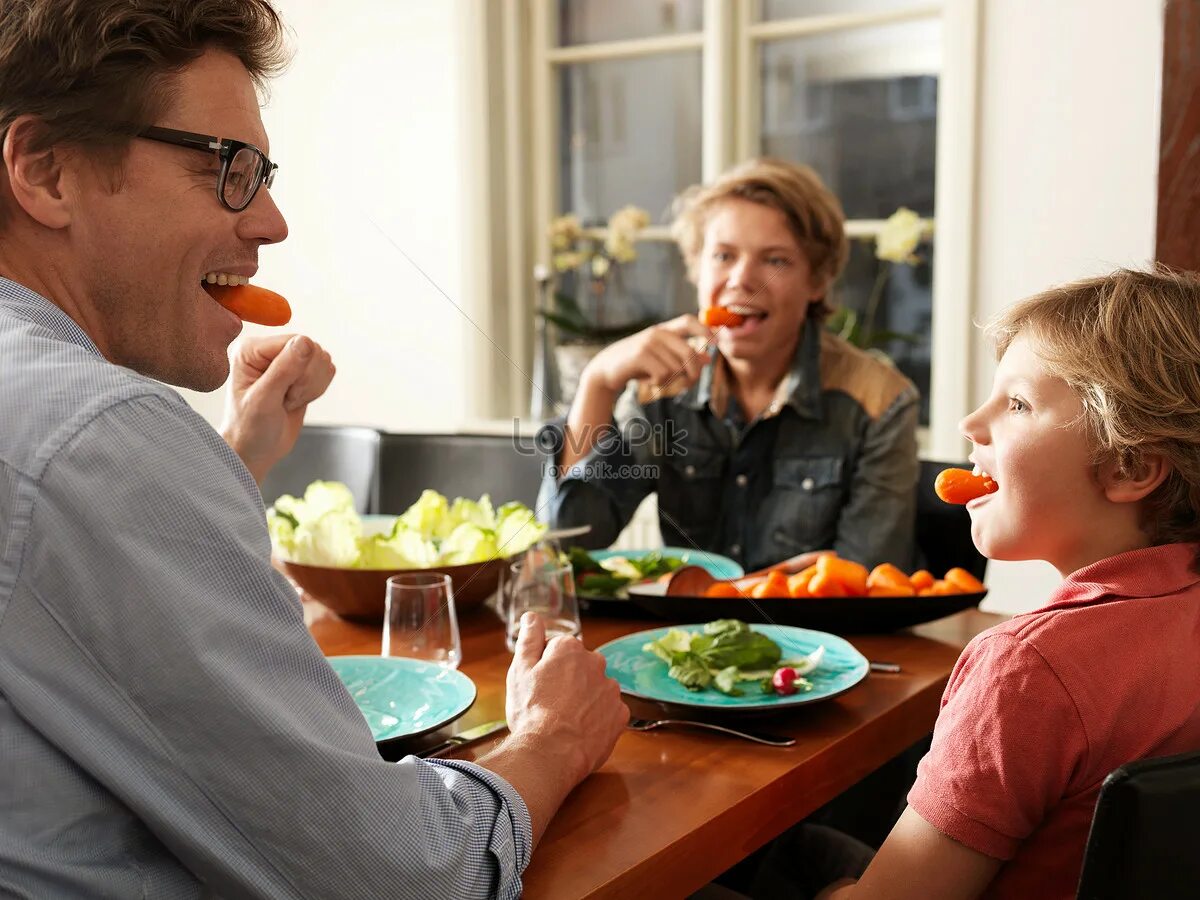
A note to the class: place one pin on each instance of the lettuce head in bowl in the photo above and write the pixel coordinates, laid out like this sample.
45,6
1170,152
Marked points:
344,560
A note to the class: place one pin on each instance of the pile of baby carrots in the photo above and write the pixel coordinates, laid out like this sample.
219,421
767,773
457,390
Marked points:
832,576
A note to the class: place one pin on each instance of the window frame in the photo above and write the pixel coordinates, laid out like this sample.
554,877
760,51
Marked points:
525,56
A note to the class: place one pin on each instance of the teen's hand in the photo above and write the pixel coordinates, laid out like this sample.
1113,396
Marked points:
658,354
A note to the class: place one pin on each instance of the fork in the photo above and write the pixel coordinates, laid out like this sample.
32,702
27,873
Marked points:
773,740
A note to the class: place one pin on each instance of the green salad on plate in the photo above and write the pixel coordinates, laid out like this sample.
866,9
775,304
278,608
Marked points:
727,654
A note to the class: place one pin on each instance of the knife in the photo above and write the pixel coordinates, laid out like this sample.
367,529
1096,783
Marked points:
463,737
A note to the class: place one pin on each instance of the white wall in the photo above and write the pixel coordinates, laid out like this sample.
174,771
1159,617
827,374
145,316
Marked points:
1068,136
1069,121
369,122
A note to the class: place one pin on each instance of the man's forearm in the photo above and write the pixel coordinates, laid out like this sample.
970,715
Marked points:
542,775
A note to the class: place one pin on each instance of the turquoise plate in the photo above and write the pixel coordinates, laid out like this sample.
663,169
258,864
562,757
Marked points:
718,566
642,674
401,697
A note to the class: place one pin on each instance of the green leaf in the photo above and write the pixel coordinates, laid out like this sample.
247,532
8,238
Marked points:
745,649
565,323
690,671
287,517
581,561
568,306
726,681
602,583
722,626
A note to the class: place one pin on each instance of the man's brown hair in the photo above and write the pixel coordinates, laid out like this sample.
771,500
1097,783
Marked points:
1129,345
94,71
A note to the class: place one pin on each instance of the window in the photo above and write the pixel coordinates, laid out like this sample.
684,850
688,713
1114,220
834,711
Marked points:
629,101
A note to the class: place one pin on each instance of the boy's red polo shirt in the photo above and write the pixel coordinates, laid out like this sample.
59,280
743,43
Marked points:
1039,710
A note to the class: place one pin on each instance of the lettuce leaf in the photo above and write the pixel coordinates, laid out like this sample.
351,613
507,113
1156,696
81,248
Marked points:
322,528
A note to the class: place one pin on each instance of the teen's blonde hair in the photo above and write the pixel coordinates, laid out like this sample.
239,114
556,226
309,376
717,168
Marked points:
813,214
1129,344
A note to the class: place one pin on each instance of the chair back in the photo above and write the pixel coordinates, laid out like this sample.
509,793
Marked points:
1145,837
944,529
457,465
345,453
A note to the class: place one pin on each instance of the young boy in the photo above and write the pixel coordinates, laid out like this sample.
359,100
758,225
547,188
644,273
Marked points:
1092,433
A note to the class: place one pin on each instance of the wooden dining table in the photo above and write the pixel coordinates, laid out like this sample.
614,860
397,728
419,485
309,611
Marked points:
675,807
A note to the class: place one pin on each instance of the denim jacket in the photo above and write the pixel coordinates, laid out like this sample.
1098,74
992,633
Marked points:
831,464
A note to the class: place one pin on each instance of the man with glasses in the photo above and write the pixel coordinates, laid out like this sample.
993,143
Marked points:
244,168
168,725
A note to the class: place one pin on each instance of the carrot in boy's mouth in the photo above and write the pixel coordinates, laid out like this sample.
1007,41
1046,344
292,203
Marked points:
718,316
961,486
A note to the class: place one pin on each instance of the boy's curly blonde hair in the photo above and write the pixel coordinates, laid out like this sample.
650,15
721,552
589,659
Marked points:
1129,344
813,214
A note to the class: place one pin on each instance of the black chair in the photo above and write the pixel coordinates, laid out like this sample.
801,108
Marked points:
1145,837
345,453
457,465
943,529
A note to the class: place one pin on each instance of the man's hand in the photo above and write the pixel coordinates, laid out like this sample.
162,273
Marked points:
558,694
564,717
271,383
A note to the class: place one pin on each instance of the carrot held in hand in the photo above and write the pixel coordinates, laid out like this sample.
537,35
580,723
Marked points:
718,316
251,303
961,486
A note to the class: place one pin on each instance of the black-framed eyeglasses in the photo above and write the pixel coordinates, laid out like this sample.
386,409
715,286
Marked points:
244,168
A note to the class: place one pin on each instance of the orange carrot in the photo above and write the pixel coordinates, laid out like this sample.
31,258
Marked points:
723,589
775,585
891,590
853,576
825,585
718,316
885,575
964,581
798,584
961,486
940,588
251,303
921,579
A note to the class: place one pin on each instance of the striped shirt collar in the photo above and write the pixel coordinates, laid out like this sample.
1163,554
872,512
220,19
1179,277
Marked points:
35,308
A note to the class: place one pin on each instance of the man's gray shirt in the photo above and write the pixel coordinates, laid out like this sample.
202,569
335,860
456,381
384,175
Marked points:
168,727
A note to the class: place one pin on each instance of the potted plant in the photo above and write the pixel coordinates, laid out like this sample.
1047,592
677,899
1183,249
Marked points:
895,245
596,257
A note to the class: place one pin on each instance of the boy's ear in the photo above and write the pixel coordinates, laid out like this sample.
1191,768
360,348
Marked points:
1134,486
36,177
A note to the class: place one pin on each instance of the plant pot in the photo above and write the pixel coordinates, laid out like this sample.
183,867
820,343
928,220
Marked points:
570,360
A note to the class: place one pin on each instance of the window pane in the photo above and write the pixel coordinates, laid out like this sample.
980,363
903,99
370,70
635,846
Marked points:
860,107
594,21
630,134
905,307
653,286
795,9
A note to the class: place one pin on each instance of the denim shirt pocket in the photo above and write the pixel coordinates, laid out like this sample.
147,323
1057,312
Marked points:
690,488
807,498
